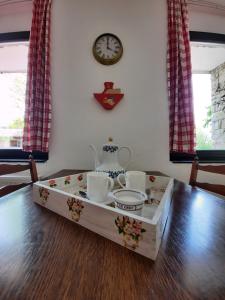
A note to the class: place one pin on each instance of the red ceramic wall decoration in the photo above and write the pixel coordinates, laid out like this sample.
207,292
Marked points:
110,97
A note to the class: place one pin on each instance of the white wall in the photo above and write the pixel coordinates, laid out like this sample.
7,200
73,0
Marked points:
137,121
141,119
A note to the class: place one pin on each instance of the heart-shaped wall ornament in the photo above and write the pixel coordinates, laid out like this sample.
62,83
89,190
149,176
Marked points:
110,97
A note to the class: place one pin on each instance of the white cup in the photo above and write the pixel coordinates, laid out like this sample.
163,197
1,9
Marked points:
98,186
134,180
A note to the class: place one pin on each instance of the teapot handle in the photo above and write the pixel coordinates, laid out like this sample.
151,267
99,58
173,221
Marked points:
130,155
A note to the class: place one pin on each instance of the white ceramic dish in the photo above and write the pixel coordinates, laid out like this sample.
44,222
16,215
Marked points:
129,200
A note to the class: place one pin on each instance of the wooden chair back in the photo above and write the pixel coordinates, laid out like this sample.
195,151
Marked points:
215,188
6,169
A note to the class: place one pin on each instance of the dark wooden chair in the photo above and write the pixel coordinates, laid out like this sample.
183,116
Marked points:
6,169
215,188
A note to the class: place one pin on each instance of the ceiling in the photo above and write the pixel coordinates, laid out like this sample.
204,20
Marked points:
12,2
210,7
15,6
206,57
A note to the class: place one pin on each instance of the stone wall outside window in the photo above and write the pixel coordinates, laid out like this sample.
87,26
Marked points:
218,107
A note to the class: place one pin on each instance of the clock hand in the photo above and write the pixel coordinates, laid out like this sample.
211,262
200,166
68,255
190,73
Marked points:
107,46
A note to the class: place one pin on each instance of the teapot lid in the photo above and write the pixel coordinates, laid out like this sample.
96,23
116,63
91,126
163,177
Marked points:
110,147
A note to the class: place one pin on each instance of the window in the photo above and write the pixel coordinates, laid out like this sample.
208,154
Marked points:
208,78
13,57
13,73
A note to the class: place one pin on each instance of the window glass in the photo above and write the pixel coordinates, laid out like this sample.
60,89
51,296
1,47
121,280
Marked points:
13,68
208,65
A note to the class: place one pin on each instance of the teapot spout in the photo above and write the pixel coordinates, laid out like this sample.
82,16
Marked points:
94,149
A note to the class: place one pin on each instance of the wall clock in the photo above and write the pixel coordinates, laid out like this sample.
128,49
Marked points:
107,49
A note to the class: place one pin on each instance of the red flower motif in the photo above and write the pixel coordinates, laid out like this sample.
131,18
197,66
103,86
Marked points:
80,177
67,179
52,183
152,178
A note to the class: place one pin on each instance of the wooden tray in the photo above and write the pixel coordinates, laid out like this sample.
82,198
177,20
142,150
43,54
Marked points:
141,234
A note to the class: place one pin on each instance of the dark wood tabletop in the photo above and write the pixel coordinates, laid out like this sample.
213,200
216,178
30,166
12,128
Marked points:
45,256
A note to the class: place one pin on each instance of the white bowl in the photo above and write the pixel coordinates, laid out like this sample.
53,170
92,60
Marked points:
129,200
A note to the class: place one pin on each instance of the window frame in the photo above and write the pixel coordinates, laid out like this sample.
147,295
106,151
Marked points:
204,156
18,155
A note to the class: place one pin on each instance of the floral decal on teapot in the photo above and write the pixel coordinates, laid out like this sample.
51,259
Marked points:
108,148
76,207
131,230
114,174
44,194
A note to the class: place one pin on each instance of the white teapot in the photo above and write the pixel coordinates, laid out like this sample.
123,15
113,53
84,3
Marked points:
109,162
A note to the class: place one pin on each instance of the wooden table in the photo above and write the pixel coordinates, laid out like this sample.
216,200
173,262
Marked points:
45,256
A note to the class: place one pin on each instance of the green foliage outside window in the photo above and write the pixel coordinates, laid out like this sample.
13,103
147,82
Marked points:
204,141
208,119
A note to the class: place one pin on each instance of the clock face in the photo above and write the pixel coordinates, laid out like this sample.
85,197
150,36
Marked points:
107,49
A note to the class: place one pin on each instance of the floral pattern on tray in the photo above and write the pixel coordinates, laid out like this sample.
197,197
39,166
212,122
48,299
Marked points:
67,180
131,230
81,179
52,183
152,178
44,194
75,207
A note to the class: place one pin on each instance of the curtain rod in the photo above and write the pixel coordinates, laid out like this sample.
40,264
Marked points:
11,2
207,4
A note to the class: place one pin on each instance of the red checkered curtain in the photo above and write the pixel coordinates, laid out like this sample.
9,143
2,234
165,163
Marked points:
182,128
38,94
